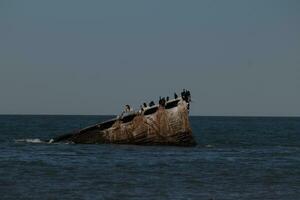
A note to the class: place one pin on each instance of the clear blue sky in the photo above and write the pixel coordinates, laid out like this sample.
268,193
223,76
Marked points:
92,57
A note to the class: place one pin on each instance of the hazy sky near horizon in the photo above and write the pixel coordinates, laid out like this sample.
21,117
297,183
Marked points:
92,57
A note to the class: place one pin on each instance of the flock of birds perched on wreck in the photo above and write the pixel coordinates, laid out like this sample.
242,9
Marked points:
185,95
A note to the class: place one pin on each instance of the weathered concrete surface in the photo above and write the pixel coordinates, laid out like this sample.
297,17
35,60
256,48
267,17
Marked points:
164,127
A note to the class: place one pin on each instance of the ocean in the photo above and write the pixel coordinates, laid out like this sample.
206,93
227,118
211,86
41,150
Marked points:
236,158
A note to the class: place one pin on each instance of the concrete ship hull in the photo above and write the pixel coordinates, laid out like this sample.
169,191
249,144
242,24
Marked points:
159,125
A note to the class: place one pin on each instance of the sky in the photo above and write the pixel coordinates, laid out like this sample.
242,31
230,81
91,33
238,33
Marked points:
237,57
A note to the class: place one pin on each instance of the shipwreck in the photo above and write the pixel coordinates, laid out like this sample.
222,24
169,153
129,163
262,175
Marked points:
166,123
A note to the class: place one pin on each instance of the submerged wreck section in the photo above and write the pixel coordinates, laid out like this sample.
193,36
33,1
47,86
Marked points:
166,124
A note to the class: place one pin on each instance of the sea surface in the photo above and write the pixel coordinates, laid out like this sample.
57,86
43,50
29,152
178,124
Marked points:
236,158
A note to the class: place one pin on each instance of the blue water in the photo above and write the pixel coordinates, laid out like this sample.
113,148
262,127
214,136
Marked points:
236,158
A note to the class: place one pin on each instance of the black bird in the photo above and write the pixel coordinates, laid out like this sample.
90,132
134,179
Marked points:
175,95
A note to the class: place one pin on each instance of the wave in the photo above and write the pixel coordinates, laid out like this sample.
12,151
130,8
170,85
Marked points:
36,140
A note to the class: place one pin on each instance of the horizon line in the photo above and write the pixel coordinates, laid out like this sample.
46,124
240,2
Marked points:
193,115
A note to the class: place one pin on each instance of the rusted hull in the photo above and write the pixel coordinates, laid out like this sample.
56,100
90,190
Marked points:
164,127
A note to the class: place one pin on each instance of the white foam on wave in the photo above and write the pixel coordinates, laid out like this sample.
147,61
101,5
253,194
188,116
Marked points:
36,140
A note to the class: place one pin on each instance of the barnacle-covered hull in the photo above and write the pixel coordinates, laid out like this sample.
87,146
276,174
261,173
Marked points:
160,125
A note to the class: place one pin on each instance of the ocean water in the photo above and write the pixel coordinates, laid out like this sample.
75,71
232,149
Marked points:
236,158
